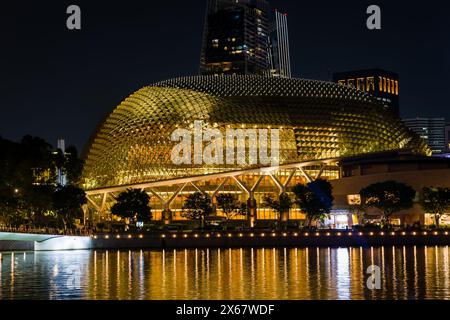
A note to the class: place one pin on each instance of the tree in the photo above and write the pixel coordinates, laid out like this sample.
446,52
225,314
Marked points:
389,197
359,210
229,205
67,203
69,164
243,209
133,204
281,206
167,215
36,204
315,199
73,165
9,210
197,207
37,165
435,201
28,172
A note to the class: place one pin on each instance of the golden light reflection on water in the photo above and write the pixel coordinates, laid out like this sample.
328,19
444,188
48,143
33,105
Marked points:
286,273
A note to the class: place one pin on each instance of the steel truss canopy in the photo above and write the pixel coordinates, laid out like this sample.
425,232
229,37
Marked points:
247,184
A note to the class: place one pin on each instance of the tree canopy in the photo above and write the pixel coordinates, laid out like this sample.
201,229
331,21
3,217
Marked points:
230,205
389,197
436,201
197,207
28,180
67,202
133,204
315,199
280,205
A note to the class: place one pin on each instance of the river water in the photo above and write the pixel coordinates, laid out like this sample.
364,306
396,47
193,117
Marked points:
222,274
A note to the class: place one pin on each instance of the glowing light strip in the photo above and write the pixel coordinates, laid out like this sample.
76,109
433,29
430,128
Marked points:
284,234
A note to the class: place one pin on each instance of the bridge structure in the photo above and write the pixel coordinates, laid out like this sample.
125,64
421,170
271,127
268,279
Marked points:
42,242
15,236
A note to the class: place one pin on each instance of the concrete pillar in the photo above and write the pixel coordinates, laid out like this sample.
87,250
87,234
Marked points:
350,220
252,211
85,214
166,215
402,218
284,218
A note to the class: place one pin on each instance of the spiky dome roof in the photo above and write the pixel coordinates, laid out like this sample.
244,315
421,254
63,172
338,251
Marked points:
318,120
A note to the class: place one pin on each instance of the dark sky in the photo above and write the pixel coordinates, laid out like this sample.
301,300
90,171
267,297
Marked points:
60,83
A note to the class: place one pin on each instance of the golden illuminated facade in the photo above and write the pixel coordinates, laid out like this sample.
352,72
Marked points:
382,84
319,123
370,83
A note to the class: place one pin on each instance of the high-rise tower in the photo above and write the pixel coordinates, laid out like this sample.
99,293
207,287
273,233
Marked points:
432,130
280,60
61,176
239,39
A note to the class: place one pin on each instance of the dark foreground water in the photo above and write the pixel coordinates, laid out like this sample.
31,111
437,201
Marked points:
326,273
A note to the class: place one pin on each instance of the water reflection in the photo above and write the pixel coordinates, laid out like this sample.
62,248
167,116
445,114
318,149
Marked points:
287,273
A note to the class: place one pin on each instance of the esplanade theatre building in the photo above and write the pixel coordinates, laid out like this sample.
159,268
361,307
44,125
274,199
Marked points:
324,130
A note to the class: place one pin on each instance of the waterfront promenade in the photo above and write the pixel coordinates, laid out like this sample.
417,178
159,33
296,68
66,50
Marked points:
222,239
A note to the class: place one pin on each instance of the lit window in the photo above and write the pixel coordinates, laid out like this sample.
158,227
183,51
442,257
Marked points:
351,83
370,84
353,199
380,84
360,84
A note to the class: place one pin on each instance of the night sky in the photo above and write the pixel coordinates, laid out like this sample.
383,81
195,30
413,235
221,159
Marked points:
59,83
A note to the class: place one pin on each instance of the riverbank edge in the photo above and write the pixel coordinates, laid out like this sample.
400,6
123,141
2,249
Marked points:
193,240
